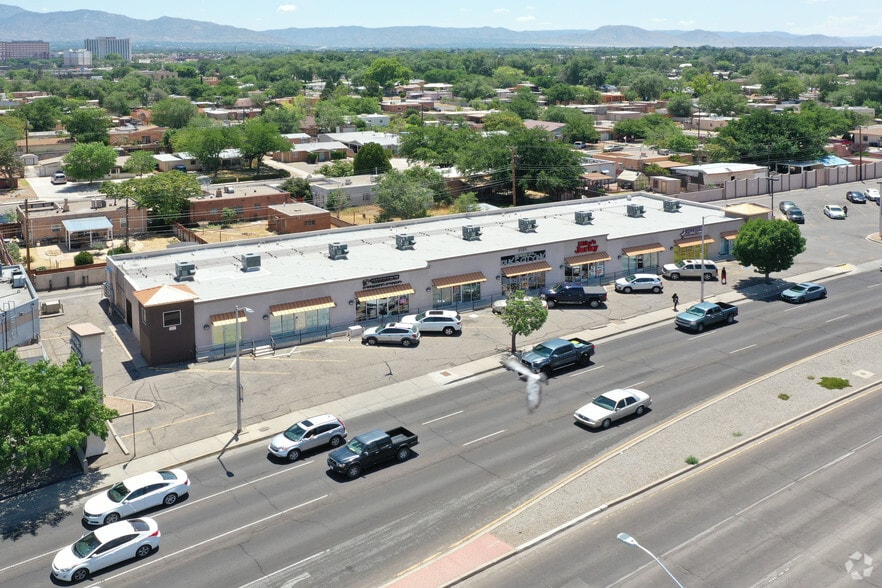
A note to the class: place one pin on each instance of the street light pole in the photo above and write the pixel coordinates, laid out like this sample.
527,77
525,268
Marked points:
628,540
879,202
772,180
702,259
238,371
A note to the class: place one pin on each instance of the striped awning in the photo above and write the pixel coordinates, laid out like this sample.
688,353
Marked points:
513,271
459,280
587,258
729,235
227,318
384,292
693,241
302,306
643,249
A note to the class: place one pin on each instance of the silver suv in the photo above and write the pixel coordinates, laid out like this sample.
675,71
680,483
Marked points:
438,321
405,334
324,429
690,268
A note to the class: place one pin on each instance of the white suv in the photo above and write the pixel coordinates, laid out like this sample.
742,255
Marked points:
406,334
438,321
324,429
640,283
691,268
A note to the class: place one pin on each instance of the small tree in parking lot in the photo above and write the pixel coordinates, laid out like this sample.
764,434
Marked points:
523,316
768,245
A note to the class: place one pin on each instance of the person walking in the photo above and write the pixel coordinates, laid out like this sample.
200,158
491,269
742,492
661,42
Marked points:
845,209
676,300
723,276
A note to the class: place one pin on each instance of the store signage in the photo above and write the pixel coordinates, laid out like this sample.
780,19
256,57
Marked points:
690,232
381,281
586,246
519,258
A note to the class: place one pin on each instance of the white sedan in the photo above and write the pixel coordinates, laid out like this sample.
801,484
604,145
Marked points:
872,194
136,494
834,211
106,546
612,406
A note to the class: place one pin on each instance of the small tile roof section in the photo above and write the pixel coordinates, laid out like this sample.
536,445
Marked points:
165,294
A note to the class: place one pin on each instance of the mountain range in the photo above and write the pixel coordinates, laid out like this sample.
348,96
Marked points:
67,29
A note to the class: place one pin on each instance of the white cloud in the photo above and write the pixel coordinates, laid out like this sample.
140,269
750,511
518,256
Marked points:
525,18
501,11
287,8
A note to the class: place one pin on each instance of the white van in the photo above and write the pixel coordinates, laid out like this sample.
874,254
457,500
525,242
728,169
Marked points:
59,178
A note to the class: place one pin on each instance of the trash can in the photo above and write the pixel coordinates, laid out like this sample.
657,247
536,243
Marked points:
355,332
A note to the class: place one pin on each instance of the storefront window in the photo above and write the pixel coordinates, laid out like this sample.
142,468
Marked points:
584,272
381,308
639,263
453,295
288,324
527,282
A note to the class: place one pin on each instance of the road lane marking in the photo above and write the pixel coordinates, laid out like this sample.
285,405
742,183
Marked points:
836,318
583,372
443,417
484,437
742,349
160,427
292,581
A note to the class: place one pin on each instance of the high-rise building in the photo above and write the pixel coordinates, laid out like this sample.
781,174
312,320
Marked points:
24,50
101,47
77,58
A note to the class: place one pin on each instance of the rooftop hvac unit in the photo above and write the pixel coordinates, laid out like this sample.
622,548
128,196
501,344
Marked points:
250,262
229,190
404,241
338,250
99,203
584,217
51,307
635,210
671,206
471,233
526,225
18,280
184,270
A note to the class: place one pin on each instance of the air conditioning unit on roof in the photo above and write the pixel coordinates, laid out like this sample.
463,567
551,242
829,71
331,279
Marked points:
584,217
250,262
526,225
404,241
471,232
671,205
184,270
338,250
635,210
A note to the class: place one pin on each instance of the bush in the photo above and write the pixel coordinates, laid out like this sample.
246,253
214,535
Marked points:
84,258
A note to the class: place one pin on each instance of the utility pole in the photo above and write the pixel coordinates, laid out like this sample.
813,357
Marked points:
514,182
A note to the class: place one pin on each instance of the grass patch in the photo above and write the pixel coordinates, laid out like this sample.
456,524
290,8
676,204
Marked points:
811,377
834,383
736,433
783,396
692,460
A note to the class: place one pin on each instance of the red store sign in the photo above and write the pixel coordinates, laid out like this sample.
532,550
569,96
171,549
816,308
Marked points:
586,246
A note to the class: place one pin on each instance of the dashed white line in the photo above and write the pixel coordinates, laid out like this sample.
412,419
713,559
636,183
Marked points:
742,349
440,418
484,437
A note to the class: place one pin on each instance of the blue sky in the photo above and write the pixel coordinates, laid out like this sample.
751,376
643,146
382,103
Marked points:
829,17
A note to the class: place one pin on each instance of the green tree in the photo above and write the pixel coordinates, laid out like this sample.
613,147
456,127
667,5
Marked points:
402,197
42,114
84,258
523,315
466,202
298,188
89,161
11,165
260,137
166,195
768,245
205,140
117,103
329,116
45,410
680,105
649,86
431,179
724,99
88,124
524,104
228,216
337,201
140,163
502,121
286,118
387,71
560,94
371,159
174,113
763,137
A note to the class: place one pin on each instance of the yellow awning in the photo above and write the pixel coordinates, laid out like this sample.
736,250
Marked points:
729,235
384,292
513,271
643,249
302,306
227,318
693,241
459,280
587,258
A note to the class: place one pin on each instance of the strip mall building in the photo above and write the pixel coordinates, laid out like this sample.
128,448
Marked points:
182,303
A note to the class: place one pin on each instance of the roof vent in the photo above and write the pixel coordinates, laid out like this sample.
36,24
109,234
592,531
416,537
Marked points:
250,262
184,270
671,206
635,210
338,250
584,217
404,241
471,233
527,225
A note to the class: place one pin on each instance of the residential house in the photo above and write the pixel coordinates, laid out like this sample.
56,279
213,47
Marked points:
359,190
249,202
312,152
358,139
556,129
80,222
297,217
139,135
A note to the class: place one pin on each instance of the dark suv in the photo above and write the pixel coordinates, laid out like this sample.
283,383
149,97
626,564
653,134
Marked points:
855,197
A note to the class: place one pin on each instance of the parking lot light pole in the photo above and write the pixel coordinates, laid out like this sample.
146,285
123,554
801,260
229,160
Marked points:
702,259
772,179
628,540
238,371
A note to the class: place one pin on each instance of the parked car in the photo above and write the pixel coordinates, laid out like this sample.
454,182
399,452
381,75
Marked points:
436,321
795,215
106,546
573,293
834,211
136,494
578,144
612,406
499,306
690,268
405,334
611,148
640,283
856,197
59,178
872,194
310,433
786,205
804,292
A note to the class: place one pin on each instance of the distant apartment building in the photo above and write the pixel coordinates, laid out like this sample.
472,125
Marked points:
24,50
101,47
77,58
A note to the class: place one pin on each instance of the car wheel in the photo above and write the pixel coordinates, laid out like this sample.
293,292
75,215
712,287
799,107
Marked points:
293,455
801,299
640,410
111,518
80,575
583,360
370,341
403,453
699,327
594,303
448,331
708,277
656,290
353,472
627,290
170,499
336,440
406,342
730,319
823,295
606,423
675,276
143,551
551,303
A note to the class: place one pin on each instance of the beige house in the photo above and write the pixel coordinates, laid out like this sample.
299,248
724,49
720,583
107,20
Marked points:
80,223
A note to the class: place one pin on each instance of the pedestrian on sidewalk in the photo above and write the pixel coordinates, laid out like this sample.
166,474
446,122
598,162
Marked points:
845,209
723,276
676,300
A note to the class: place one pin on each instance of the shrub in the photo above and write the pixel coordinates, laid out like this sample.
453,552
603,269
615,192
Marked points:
84,258
692,460
834,383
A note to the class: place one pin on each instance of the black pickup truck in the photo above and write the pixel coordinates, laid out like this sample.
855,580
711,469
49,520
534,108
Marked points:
573,293
369,449
557,353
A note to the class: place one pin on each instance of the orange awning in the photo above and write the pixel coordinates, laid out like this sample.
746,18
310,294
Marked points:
459,280
693,241
513,271
587,258
302,306
384,292
227,318
729,235
643,249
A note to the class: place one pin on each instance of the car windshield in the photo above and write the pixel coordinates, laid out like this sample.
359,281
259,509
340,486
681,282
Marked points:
631,279
355,446
694,310
798,288
86,545
604,402
421,316
542,351
295,433
118,492
680,264
556,287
